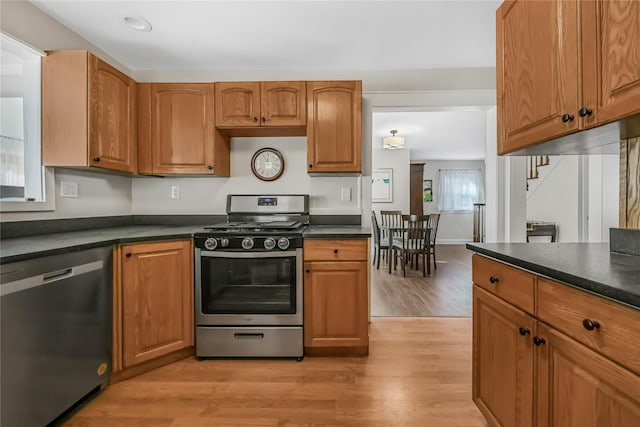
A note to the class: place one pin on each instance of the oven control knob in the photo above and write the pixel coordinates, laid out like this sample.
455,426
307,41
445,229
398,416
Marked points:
211,243
247,243
224,242
283,243
269,243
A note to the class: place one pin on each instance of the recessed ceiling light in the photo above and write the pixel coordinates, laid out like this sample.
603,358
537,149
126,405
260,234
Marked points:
137,23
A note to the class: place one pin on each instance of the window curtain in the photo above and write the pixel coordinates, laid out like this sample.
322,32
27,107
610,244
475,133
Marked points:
459,189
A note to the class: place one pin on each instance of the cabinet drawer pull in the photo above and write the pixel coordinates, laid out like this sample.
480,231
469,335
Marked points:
524,331
538,341
335,251
567,118
494,280
590,325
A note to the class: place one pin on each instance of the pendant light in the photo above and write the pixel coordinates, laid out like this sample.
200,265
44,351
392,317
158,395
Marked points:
393,142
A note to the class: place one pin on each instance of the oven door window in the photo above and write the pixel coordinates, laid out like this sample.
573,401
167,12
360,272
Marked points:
248,285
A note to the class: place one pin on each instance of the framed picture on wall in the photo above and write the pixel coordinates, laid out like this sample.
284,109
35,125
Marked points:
427,190
382,185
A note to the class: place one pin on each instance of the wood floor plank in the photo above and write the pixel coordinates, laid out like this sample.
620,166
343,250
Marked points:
418,373
446,292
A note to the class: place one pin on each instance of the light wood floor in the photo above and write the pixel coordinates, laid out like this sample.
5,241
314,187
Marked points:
446,292
418,373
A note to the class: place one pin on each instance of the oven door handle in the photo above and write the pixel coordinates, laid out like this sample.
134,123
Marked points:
222,254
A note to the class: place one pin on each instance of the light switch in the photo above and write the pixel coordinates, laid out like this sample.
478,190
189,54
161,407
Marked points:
68,189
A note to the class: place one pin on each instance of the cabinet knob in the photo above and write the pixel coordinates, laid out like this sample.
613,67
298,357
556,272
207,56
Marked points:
590,325
335,251
210,167
128,254
584,112
96,159
310,166
307,271
494,280
524,331
264,119
538,341
567,118
255,119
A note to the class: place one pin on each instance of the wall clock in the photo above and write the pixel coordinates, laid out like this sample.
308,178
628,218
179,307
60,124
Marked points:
267,164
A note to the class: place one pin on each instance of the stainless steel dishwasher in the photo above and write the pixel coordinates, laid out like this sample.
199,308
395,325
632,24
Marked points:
55,315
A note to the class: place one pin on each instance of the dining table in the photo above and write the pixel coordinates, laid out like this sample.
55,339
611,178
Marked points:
390,232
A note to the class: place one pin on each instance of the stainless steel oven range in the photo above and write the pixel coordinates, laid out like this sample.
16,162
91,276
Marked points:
248,279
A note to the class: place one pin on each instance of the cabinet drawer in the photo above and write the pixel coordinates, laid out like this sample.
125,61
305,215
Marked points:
570,310
511,284
335,250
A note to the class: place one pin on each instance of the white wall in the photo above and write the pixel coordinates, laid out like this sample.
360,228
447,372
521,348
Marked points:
207,195
453,227
603,196
398,160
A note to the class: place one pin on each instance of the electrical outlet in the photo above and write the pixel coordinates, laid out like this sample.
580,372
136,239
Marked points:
175,191
68,189
346,194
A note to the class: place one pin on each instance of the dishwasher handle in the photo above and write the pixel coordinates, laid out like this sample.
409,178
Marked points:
57,275
51,277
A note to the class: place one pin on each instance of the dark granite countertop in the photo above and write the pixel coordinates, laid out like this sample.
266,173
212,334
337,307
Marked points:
588,266
22,248
336,232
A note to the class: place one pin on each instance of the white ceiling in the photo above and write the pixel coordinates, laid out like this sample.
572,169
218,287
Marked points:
457,134
419,37
269,35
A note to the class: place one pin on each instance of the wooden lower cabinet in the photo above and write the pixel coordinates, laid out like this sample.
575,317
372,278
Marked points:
336,300
578,387
502,361
153,302
526,372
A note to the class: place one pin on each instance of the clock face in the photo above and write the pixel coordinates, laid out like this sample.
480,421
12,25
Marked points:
267,164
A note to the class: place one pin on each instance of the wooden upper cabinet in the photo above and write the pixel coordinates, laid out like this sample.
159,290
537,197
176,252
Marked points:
256,104
564,66
611,59
237,104
537,71
88,113
283,103
334,126
176,134
578,387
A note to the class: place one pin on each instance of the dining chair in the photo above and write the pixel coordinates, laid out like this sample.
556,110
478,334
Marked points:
413,241
380,246
434,219
390,219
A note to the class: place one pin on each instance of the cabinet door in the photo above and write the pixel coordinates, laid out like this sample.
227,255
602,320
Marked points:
537,71
182,131
335,304
611,59
334,126
237,104
283,103
112,125
157,300
577,387
502,361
